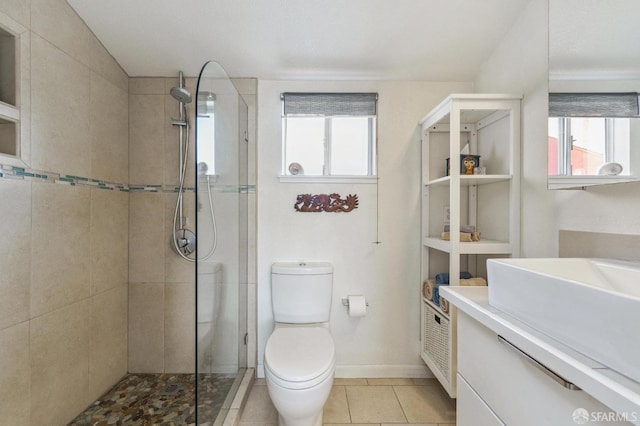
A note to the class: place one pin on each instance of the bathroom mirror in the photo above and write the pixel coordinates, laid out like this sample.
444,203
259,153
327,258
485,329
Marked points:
591,51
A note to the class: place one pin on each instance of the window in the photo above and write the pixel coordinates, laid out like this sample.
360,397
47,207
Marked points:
584,144
206,133
590,133
329,134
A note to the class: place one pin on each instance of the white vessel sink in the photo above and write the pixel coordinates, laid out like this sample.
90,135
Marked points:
590,305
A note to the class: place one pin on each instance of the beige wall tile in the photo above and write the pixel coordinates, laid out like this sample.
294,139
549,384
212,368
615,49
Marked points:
171,135
15,251
60,364
176,269
599,244
59,111
245,86
374,404
179,320
146,86
57,22
108,341
60,259
109,239
101,61
15,375
336,409
426,404
147,237
146,328
20,10
109,127
146,143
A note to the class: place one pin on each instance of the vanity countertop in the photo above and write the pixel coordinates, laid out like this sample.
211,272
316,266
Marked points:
609,387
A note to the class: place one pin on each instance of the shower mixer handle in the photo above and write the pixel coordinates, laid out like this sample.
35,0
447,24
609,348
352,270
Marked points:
185,241
177,122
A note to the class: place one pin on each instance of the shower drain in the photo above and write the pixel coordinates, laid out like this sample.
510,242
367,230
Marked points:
173,389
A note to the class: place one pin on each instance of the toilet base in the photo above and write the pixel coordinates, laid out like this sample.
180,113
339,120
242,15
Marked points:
316,422
299,407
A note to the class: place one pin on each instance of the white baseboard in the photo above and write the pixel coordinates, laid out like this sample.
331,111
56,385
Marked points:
383,371
374,371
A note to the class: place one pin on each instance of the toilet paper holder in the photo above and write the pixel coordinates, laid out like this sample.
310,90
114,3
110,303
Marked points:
345,302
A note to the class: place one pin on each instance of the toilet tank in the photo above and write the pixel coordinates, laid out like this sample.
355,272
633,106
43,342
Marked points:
301,292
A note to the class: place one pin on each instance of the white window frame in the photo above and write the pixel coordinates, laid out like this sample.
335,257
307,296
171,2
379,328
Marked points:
370,177
565,144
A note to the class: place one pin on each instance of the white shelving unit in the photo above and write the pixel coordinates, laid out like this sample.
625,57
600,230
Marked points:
490,125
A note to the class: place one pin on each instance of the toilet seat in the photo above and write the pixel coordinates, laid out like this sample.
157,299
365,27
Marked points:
299,357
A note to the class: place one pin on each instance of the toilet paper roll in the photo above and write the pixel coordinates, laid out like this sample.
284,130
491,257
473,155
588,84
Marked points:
357,305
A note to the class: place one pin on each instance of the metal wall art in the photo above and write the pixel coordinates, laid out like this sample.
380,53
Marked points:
325,203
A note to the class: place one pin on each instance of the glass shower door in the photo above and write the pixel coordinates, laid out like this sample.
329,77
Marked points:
221,268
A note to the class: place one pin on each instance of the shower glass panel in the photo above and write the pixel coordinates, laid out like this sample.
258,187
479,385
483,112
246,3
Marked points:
221,296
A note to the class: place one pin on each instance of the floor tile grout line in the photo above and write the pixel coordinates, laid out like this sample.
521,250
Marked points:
400,403
346,395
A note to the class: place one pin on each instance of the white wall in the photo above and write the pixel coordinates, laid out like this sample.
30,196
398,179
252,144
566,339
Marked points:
385,342
519,65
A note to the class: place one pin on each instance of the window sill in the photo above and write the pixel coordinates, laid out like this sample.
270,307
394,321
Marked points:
202,179
328,179
579,182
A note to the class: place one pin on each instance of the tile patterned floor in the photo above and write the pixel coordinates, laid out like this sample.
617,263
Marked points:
157,399
366,402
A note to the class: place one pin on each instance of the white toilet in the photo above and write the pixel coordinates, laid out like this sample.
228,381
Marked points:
299,358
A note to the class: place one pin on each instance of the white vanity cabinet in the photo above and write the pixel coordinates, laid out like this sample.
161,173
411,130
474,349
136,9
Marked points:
471,409
485,126
498,385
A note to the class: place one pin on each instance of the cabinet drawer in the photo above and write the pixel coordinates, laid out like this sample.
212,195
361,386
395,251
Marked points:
519,393
471,410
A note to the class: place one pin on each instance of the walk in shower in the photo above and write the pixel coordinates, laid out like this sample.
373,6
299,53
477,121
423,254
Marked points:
221,133
188,267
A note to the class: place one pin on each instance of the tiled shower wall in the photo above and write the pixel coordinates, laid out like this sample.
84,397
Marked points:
64,247
89,287
161,284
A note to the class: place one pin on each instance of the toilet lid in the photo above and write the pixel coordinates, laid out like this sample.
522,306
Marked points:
299,354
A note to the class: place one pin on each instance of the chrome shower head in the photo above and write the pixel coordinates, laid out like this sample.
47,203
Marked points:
181,94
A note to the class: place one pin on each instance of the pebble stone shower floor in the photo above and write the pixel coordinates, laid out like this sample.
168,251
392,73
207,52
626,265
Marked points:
158,399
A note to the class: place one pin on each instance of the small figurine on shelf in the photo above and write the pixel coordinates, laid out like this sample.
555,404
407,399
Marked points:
469,163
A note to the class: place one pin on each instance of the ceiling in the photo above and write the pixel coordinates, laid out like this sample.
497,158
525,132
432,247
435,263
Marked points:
436,40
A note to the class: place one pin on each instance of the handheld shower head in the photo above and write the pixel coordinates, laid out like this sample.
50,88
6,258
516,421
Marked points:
181,94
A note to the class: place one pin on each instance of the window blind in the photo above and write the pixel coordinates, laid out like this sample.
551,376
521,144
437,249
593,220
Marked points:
329,104
593,105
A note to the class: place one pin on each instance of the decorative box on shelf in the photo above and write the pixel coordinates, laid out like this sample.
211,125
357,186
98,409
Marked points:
467,163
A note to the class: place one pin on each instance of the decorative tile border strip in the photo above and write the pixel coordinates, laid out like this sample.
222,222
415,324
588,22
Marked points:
23,173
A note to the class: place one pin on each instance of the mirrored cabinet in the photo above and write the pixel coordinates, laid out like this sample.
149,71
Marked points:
594,80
